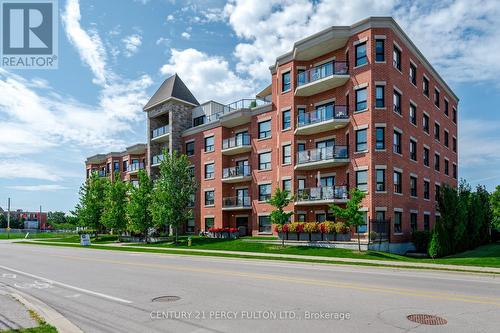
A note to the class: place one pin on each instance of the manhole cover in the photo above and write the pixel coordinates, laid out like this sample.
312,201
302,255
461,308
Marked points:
427,319
166,299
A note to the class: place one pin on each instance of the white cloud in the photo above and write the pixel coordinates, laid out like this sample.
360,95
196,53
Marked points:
38,188
170,18
186,35
163,41
132,44
208,77
15,168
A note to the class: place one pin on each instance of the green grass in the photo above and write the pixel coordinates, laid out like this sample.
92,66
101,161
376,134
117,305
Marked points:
31,235
484,256
42,327
103,239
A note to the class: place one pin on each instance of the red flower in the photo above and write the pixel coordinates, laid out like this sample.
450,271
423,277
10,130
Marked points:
322,228
300,227
233,230
285,228
211,229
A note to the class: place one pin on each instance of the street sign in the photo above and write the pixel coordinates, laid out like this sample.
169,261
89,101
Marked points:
85,240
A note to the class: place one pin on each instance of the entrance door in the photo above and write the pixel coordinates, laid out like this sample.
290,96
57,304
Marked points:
242,225
242,198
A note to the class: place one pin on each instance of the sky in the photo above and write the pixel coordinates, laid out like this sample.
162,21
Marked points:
114,54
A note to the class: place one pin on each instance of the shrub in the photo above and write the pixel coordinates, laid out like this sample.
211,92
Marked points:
300,228
421,240
311,227
342,228
284,228
87,231
278,227
328,227
373,235
296,227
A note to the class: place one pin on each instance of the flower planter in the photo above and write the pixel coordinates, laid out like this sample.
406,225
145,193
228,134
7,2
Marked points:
329,237
304,236
343,237
316,236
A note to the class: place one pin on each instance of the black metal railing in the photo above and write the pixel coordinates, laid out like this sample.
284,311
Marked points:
322,71
237,171
322,154
160,131
323,114
236,202
135,167
236,141
322,193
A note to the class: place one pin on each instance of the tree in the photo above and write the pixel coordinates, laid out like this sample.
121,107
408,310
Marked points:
280,200
138,213
56,220
352,213
495,207
3,221
114,216
173,191
91,203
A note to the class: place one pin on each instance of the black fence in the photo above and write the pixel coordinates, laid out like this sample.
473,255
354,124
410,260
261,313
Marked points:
380,231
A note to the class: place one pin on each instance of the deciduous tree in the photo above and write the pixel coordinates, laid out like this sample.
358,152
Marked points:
138,208
280,200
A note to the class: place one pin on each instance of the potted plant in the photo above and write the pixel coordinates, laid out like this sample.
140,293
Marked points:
312,228
328,230
343,232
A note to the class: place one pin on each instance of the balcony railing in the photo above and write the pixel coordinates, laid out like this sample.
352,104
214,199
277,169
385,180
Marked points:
322,193
236,141
323,114
237,202
157,159
322,154
323,71
237,171
135,167
161,131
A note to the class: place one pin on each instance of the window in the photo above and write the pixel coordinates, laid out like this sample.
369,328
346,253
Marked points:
413,150
209,171
398,216
265,129
287,185
379,97
426,190
209,223
427,225
300,217
301,147
264,192
320,217
362,180
413,74
379,50
436,97
413,222
454,115
436,162
396,58
397,142
190,148
380,180
108,168
191,170
287,154
116,166
446,138
209,144
286,82
264,224
413,114
361,99
190,225
446,107
446,167
301,182
209,198
398,188
426,156
437,131
425,123
286,121
265,161
425,84
454,142
437,189
199,121
125,165
361,144
380,138
380,215
191,200
396,101
360,53
413,186
454,170
363,228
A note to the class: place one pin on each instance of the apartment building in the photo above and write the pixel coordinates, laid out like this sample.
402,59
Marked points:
350,106
126,163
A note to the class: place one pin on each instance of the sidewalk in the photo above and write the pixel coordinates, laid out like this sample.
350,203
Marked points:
13,315
305,258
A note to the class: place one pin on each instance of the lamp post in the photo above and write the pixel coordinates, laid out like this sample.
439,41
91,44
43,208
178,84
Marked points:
8,218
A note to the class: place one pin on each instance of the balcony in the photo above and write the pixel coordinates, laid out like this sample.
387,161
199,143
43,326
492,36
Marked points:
321,195
237,174
322,158
161,134
236,145
322,120
236,113
236,203
331,75
135,167
156,160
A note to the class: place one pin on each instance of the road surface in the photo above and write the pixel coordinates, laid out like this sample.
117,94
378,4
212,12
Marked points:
112,291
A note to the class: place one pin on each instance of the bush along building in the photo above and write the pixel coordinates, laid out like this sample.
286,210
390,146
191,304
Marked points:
350,106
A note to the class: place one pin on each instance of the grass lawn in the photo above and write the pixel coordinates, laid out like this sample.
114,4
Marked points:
32,235
103,239
43,328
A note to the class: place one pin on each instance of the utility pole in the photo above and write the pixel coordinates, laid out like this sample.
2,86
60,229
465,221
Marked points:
8,218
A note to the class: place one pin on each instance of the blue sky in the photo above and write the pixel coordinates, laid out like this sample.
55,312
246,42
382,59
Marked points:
113,54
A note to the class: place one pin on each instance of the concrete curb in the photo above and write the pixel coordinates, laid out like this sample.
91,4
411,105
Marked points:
51,316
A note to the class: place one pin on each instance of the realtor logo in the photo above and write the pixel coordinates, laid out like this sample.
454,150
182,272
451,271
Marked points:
29,34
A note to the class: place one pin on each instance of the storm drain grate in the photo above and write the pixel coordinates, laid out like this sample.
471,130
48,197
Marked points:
427,319
166,299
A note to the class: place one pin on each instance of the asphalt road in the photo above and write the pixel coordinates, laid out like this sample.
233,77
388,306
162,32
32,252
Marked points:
111,291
